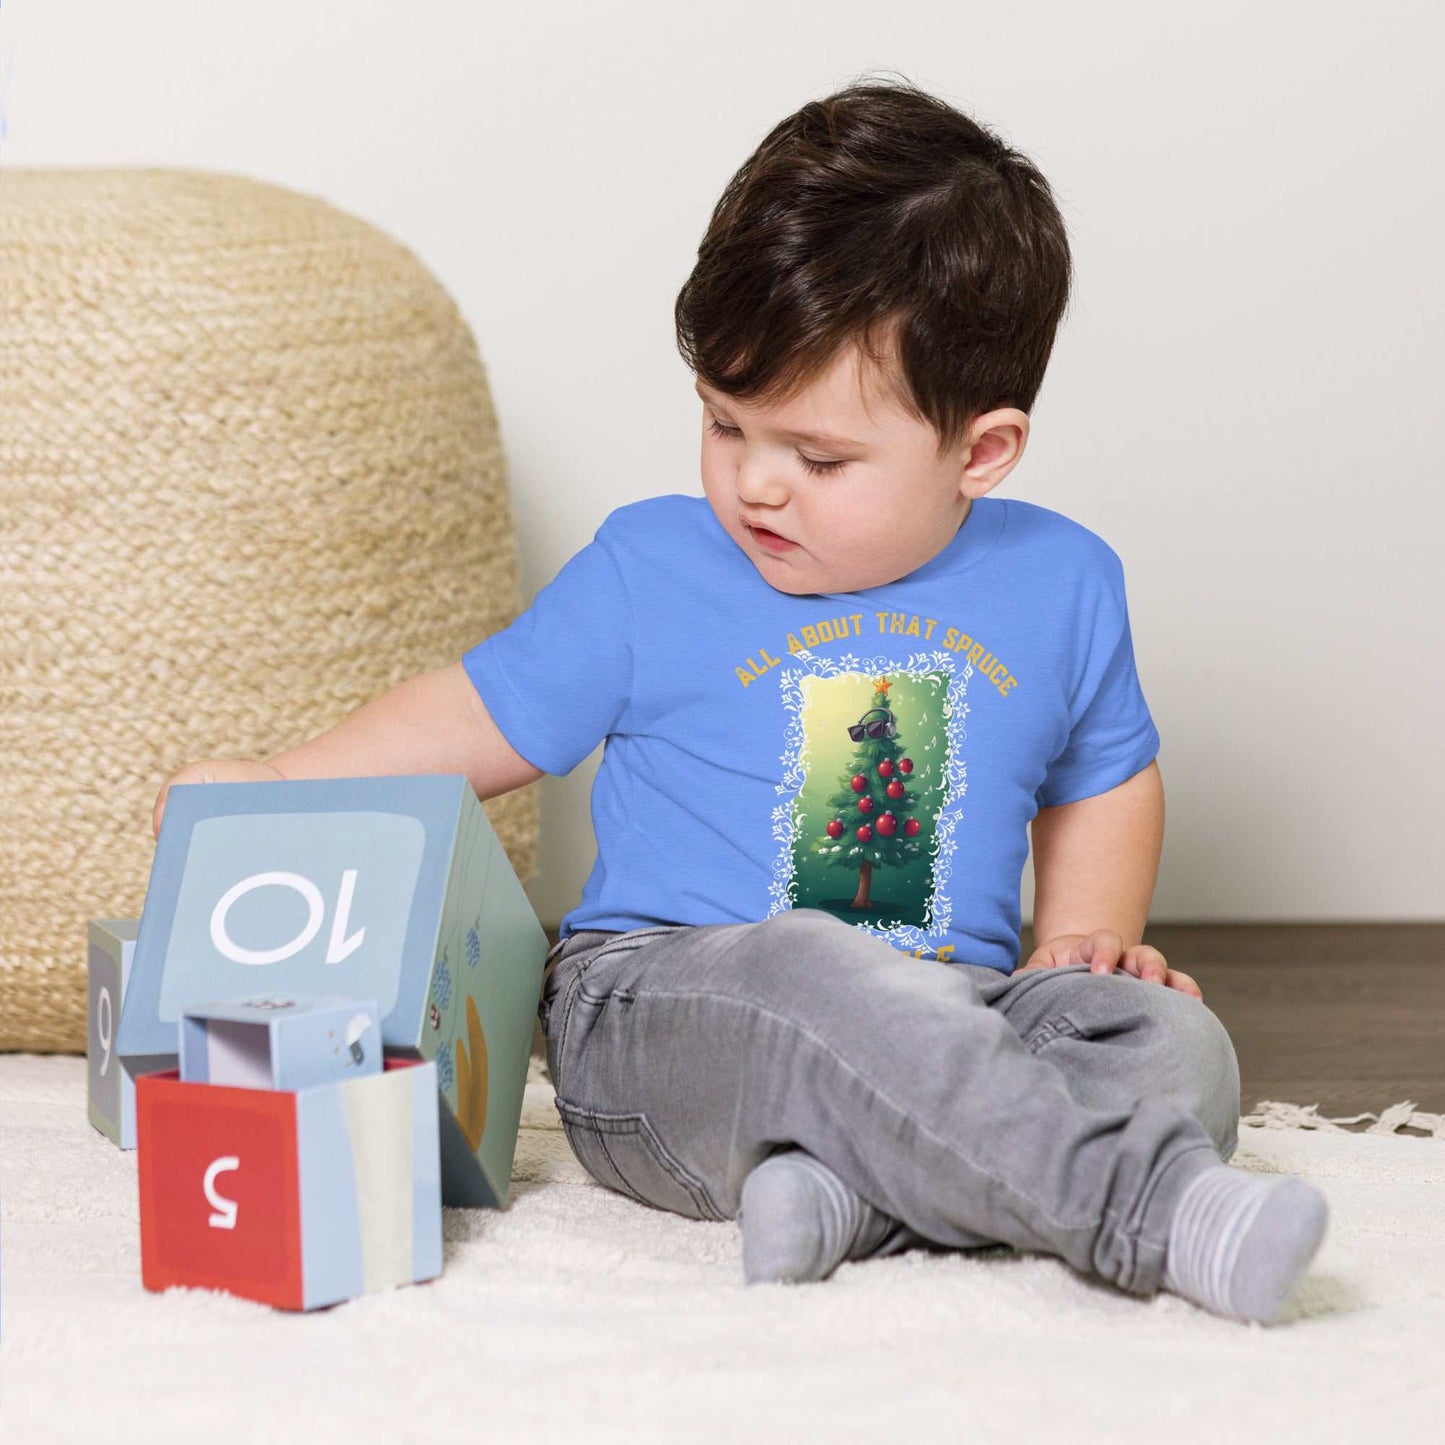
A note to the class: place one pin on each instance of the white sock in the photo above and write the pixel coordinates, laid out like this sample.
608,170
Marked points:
1238,1242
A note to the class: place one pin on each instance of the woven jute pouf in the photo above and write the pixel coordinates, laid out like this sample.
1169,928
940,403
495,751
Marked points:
250,477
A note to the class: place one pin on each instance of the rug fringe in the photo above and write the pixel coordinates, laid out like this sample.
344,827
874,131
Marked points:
1271,1114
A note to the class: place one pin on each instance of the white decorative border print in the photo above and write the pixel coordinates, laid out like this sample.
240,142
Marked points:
870,801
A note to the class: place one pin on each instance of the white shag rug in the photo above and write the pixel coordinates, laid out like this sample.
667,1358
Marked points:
577,1314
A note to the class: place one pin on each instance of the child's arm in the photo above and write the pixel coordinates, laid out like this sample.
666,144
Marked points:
1096,861
435,722
1095,865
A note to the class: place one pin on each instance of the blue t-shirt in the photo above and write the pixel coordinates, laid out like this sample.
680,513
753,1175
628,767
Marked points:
876,754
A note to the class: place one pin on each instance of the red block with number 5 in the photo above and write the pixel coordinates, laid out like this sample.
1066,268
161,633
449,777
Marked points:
299,1199
219,1190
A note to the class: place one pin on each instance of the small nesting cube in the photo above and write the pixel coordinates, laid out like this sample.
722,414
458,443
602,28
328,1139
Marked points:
280,1043
297,1199
110,1082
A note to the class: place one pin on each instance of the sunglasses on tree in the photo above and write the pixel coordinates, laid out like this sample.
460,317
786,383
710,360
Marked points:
886,728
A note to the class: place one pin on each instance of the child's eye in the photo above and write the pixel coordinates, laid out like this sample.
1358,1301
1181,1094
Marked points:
719,430
813,466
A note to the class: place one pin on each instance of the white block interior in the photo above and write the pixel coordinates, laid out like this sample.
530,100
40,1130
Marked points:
238,1054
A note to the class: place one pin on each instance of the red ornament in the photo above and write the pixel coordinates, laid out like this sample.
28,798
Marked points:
865,805
911,827
905,765
886,824
860,783
835,829
885,769
864,833
894,789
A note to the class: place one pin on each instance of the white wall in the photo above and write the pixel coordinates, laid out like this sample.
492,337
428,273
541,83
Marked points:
1242,400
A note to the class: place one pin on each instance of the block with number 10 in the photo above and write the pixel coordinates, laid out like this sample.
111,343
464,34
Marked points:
394,889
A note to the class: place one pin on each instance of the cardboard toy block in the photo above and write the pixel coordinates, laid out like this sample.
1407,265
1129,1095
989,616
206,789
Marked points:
394,889
298,1199
280,1043
110,1081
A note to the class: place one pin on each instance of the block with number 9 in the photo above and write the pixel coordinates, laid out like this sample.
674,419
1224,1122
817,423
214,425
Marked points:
110,1084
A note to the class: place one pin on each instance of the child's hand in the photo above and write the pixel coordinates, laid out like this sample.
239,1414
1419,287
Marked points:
1104,952
213,770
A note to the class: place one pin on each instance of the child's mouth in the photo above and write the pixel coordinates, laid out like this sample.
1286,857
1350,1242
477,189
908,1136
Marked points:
770,540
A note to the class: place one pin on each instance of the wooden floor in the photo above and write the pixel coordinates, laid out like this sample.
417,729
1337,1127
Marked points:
1347,1016
1350,1017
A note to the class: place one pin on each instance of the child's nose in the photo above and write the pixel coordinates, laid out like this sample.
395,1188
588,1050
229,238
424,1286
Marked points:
760,483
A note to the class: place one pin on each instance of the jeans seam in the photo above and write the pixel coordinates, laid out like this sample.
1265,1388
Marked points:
590,1124
1051,1029
630,945
622,1178
645,1132
1061,1026
1138,1236
881,1094
575,989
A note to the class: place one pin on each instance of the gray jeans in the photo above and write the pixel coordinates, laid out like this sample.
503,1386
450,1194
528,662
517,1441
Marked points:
1052,1110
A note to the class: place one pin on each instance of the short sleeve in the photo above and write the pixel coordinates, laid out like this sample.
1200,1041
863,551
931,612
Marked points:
558,679
1112,734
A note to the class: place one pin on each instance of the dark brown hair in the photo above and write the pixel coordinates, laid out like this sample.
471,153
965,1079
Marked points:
881,217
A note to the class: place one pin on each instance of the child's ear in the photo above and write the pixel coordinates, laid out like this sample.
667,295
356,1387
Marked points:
993,448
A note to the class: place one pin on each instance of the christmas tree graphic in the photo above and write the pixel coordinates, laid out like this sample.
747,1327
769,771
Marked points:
871,823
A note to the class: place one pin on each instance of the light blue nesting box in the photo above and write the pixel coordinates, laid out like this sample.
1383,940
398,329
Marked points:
280,1043
394,889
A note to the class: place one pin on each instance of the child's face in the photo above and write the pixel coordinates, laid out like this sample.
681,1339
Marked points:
892,506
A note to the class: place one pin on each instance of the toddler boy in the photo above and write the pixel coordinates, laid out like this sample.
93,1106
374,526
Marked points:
836,691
